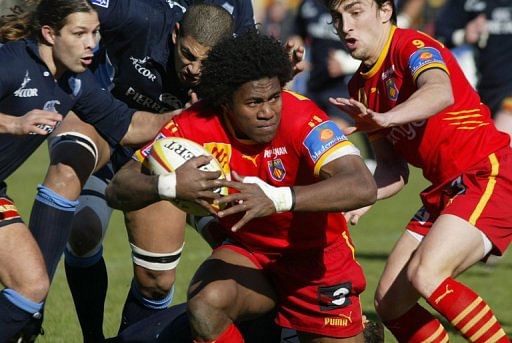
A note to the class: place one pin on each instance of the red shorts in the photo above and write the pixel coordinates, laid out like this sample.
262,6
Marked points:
481,196
318,290
8,212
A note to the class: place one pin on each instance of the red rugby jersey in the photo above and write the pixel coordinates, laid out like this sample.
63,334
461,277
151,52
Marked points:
305,141
450,141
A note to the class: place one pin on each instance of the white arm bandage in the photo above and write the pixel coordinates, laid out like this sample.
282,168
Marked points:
167,186
282,197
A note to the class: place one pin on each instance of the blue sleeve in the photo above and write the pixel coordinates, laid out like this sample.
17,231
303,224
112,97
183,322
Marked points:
99,108
111,13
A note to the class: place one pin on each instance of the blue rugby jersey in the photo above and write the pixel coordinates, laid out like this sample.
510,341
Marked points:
137,37
26,84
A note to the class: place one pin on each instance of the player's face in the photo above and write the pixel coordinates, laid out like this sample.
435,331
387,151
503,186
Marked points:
363,27
188,56
73,45
255,111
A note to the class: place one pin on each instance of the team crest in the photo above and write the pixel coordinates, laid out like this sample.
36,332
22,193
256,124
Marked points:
276,169
391,89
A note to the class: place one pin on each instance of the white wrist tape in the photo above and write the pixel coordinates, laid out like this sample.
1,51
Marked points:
282,197
167,186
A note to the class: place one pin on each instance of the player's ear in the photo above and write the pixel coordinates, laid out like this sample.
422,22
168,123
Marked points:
175,33
386,11
48,34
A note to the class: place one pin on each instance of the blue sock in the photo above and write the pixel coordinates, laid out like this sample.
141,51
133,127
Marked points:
138,307
88,282
16,311
50,223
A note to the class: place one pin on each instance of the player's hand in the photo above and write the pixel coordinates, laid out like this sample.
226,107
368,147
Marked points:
353,216
195,184
297,54
250,199
193,98
35,122
477,31
366,119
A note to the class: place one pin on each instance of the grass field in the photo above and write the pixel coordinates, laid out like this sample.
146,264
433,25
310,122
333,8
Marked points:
373,236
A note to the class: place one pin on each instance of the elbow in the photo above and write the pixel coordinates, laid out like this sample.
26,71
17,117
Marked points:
369,195
111,197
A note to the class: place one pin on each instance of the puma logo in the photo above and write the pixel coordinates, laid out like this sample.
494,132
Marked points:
251,158
447,291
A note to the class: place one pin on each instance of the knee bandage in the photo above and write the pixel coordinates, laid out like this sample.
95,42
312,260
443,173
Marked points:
155,261
75,139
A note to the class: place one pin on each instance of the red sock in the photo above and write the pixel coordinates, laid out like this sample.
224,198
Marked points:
230,335
417,325
467,312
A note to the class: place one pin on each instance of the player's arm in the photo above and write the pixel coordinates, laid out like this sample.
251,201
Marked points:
144,126
346,184
391,175
133,187
33,122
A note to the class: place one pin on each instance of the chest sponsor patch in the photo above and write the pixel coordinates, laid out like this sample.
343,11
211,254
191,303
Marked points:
321,138
423,57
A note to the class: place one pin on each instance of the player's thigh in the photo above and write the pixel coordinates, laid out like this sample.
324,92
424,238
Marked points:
232,281
21,263
159,227
451,246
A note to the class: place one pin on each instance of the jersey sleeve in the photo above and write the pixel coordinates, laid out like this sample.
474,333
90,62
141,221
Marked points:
324,143
418,52
99,108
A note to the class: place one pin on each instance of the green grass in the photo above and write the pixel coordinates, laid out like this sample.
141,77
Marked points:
374,236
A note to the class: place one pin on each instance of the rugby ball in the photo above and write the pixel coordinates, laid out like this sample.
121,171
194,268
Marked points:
168,154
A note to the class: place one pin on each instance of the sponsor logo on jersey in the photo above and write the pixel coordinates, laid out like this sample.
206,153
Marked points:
341,320
172,3
252,159
151,104
321,138
24,92
407,131
8,210
101,3
276,169
391,89
425,56
138,64
222,152
275,152
334,297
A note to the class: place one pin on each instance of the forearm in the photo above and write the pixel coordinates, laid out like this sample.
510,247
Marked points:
130,191
6,123
420,105
348,189
390,180
145,126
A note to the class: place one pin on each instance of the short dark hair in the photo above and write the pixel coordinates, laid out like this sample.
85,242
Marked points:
235,61
207,24
333,4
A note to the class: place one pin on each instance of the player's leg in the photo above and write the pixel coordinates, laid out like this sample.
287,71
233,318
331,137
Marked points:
85,267
452,246
227,287
396,299
75,151
156,234
22,272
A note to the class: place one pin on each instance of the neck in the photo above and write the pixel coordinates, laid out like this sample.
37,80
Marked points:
46,54
381,40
